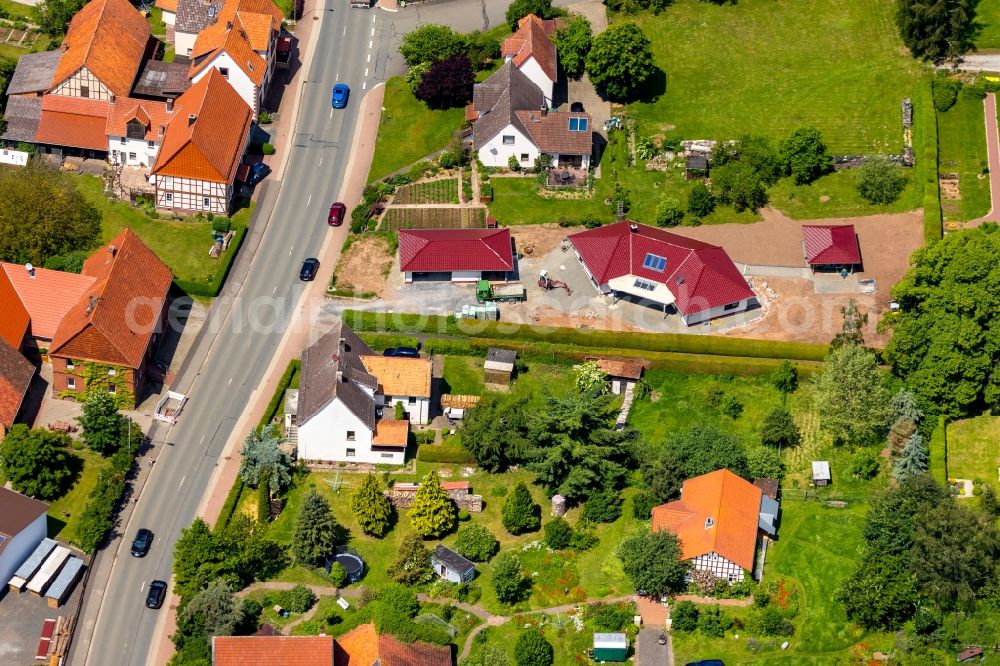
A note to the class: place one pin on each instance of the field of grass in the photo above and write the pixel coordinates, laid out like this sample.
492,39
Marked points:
962,145
802,202
974,449
182,245
463,375
15,10
770,67
440,190
398,144
66,511
988,18
155,18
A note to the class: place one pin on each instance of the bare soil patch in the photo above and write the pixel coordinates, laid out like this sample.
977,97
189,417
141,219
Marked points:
363,267
536,240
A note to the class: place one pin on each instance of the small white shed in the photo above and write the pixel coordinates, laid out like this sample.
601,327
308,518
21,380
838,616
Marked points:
821,473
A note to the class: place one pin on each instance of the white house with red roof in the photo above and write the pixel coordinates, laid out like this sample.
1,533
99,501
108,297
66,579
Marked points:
532,50
699,280
831,247
459,255
135,129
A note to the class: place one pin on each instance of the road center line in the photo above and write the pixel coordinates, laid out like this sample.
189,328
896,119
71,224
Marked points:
373,30
366,72
275,290
345,29
364,86
230,381
183,478
369,58
331,114
370,42
320,161
309,200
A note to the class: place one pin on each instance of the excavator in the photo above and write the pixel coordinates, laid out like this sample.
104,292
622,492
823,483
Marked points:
548,283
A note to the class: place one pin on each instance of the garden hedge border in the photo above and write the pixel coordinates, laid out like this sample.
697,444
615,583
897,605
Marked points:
678,343
212,288
939,452
286,381
926,128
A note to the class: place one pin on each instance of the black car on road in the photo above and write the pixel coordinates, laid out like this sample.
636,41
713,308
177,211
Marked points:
143,540
309,269
157,592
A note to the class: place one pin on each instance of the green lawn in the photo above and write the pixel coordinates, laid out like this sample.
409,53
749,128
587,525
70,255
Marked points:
61,525
17,10
770,67
974,449
988,18
155,18
463,375
398,144
962,145
182,245
803,202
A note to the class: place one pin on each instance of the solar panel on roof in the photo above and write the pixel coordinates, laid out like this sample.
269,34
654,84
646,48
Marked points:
654,263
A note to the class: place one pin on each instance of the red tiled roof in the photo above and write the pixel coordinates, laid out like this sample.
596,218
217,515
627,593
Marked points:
109,38
533,38
831,244
167,5
14,318
211,147
15,378
236,43
618,368
73,122
358,647
551,132
436,250
47,297
699,275
391,433
732,504
152,114
393,652
115,319
272,650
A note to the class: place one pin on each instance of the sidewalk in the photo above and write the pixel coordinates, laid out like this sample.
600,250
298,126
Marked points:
993,154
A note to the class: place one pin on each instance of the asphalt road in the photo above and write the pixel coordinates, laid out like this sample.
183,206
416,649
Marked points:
248,339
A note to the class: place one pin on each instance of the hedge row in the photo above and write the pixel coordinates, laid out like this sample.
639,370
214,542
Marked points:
939,452
289,376
229,506
663,342
926,143
452,453
99,515
212,288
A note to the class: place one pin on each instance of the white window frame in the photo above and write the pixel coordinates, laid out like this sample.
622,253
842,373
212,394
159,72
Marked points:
351,436
70,383
351,453
511,140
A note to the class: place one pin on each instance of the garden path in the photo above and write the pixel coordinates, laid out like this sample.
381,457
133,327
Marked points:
993,154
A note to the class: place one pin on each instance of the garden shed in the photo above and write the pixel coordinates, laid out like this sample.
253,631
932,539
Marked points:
610,647
451,566
499,366
821,473
621,374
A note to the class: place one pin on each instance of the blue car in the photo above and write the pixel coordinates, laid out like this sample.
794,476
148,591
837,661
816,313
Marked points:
258,172
340,94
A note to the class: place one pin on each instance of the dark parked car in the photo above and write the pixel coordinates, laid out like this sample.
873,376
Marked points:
340,94
156,594
143,540
706,662
576,107
309,269
403,352
337,212
258,172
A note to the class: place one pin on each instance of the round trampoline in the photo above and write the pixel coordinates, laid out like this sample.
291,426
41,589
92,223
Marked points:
353,565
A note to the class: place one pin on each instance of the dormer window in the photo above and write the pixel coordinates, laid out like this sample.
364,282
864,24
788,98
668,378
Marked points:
709,522
577,124
224,71
135,130
84,91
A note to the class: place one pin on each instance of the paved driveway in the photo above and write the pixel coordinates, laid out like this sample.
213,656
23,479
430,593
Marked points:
648,652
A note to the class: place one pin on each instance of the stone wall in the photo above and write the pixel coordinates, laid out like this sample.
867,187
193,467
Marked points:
463,499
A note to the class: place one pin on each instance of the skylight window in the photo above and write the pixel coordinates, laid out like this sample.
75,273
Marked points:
577,124
654,263
645,284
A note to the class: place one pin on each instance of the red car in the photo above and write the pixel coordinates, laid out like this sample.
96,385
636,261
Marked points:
337,211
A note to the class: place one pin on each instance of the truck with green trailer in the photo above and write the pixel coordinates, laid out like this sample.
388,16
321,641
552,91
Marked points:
487,293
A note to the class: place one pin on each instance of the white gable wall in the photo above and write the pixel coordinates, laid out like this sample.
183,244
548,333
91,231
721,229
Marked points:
324,439
120,149
418,409
495,153
184,43
20,547
534,72
169,18
236,76
719,567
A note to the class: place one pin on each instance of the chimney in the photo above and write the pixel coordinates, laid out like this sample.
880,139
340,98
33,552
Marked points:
30,269
170,105
340,376
229,26
112,98
191,119
92,304
633,227
111,250
544,109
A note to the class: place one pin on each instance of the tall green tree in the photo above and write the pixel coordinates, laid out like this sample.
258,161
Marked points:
520,514
215,611
904,406
701,203
521,8
412,565
43,215
198,560
371,507
738,184
893,513
765,462
881,594
317,532
102,424
531,649
432,513
495,432
620,61
476,543
53,16
912,460
936,29
779,430
575,449
703,448
573,41
879,180
852,330
944,341
651,560
805,155
509,581
785,378
262,453
430,43
851,396
38,463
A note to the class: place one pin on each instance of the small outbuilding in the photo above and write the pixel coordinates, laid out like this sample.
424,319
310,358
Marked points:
610,647
770,487
621,374
831,247
821,473
451,566
499,366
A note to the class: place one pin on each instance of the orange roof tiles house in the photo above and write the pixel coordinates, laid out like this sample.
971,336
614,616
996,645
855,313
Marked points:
14,318
363,646
136,128
272,650
118,321
45,295
72,122
15,378
719,520
533,51
195,169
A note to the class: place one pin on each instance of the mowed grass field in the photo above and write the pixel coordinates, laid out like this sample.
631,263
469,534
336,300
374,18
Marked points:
771,66
974,449
988,18
962,141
